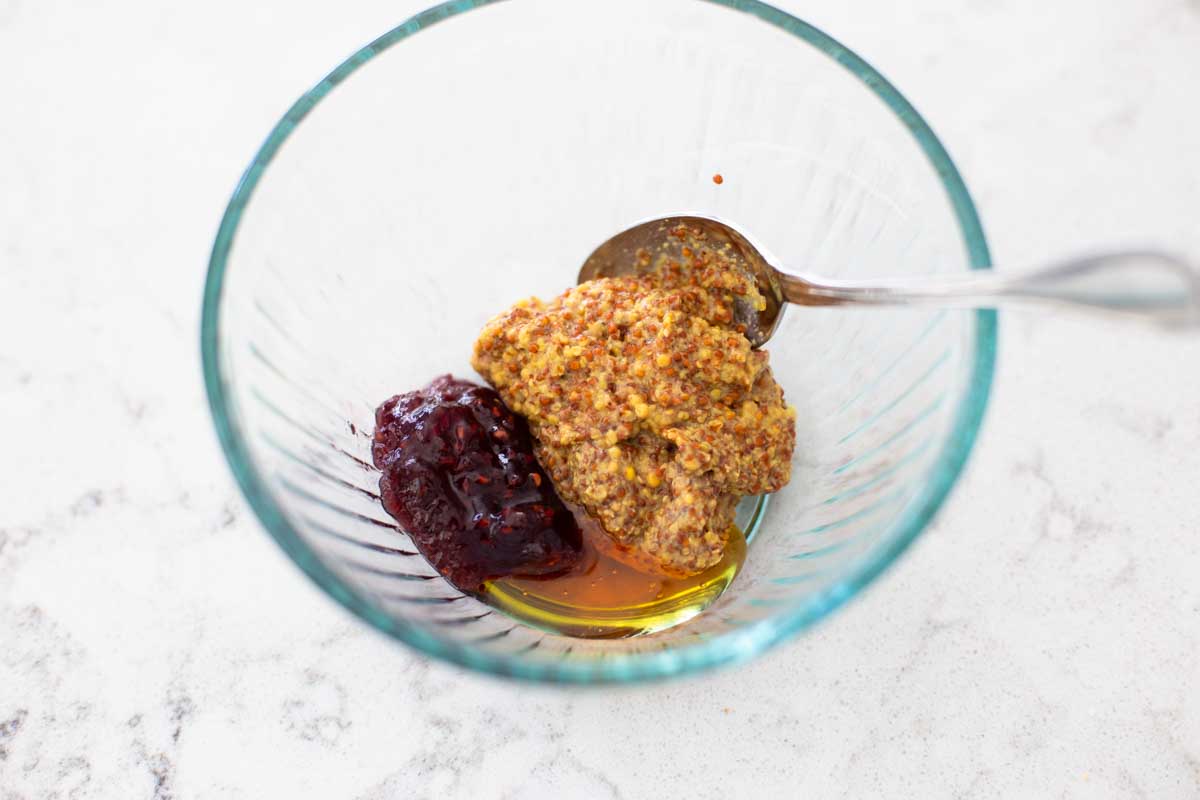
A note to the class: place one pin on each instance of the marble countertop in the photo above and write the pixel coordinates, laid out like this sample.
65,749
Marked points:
1042,640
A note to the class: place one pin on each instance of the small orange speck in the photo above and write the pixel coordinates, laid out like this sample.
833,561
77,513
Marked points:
718,179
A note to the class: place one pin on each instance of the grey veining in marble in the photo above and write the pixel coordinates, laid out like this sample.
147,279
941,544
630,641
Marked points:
1042,640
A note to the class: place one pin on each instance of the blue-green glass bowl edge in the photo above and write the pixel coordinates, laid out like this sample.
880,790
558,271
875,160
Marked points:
725,649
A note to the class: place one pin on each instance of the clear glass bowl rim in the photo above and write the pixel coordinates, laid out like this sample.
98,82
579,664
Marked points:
728,648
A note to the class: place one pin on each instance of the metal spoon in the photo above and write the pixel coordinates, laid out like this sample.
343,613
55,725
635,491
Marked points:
1150,285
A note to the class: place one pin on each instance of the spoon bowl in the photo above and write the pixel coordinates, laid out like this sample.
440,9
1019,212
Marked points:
622,255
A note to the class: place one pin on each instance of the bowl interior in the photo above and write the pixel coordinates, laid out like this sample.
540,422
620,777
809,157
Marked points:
449,170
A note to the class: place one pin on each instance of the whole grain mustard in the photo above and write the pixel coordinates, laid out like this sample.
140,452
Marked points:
647,404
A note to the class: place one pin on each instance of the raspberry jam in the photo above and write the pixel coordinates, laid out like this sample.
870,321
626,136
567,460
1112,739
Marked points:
460,475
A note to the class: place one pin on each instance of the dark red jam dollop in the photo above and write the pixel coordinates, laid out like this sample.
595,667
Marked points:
460,475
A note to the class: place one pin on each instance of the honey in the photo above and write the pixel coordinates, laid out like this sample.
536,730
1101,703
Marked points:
613,591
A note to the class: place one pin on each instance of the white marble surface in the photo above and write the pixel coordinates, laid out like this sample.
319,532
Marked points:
1043,640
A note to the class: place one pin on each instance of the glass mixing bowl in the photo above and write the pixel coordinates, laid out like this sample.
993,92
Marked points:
463,161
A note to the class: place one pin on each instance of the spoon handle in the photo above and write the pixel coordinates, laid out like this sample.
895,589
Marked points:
1151,285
